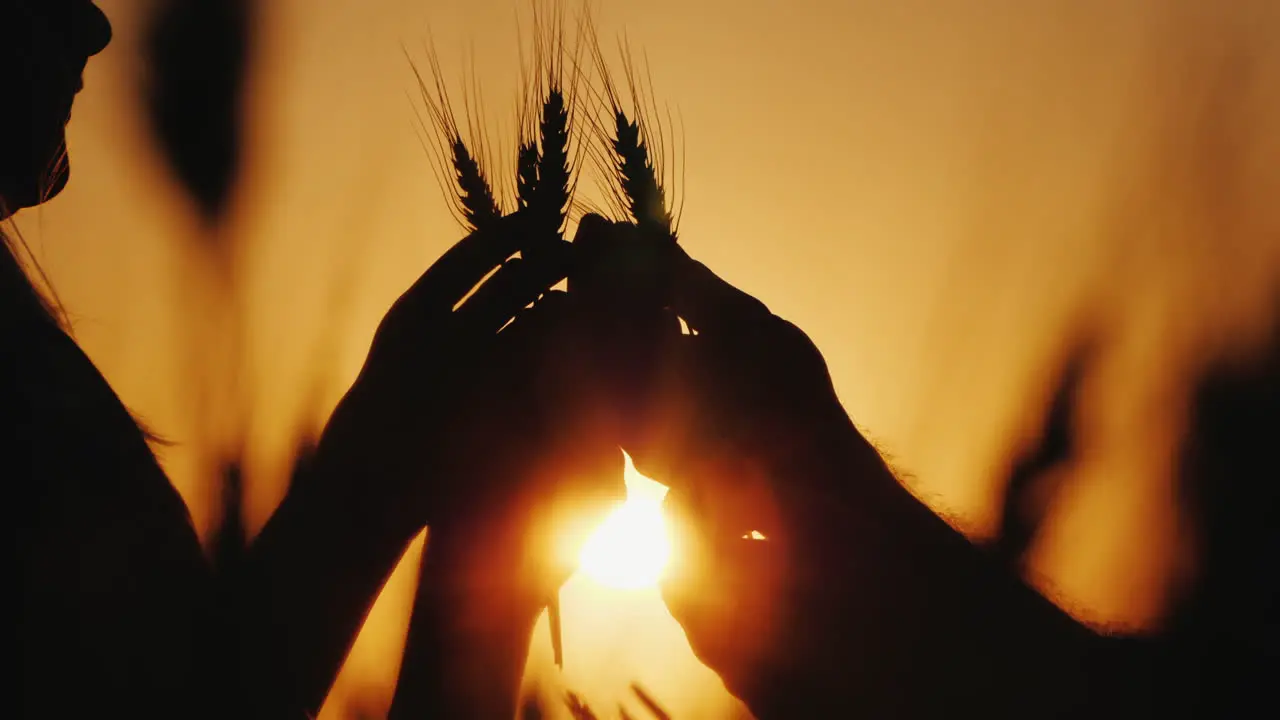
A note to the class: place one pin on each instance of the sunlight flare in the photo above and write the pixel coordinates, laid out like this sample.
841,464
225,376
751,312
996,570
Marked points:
631,547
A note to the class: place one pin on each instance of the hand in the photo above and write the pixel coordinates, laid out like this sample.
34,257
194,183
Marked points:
441,389
744,424
513,529
453,421
857,594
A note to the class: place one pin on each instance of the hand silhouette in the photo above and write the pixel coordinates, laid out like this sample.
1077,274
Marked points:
471,415
441,386
517,511
744,424
804,574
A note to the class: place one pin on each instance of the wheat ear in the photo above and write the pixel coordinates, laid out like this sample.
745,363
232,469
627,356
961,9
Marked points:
544,169
551,195
636,175
526,173
474,203
630,160
526,126
474,194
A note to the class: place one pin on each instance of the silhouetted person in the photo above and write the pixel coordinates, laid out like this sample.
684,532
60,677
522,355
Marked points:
112,588
494,424
450,423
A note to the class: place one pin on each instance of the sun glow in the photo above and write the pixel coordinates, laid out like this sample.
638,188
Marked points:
631,547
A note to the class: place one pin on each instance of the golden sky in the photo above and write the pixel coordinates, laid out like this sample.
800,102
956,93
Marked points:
935,191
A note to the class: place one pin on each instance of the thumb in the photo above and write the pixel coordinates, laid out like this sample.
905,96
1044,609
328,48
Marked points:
719,587
591,485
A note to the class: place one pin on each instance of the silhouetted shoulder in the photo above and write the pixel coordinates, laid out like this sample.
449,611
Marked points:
114,591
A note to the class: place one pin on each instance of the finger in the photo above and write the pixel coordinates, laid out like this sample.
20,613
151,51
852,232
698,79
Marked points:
543,331
685,566
599,247
451,277
620,265
594,236
616,252
686,412
613,252
707,302
514,286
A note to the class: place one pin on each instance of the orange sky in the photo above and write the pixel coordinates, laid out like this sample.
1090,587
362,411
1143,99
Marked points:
932,190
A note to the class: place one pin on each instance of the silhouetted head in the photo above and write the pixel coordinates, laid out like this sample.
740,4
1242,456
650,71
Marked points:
44,46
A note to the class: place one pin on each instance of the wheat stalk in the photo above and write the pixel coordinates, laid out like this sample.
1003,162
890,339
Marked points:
551,195
645,199
578,707
474,193
545,181
634,148
545,178
532,707
473,204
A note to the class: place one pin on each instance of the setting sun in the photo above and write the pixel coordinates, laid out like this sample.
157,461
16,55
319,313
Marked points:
631,547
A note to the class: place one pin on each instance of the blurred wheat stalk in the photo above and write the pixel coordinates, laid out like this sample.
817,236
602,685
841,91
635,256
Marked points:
199,54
